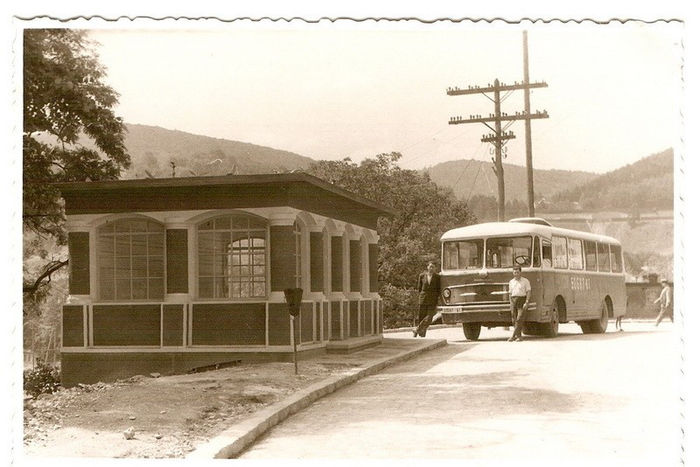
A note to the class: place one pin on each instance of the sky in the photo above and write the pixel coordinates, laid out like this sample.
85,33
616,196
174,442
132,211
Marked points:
330,91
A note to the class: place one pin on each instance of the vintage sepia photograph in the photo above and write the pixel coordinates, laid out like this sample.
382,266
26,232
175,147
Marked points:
389,239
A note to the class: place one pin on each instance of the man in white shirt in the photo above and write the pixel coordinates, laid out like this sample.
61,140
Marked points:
519,292
665,299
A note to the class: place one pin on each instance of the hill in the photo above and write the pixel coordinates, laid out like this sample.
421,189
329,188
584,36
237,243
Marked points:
644,185
152,150
469,178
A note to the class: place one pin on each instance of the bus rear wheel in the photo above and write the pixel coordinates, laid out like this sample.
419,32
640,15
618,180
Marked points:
598,326
471,331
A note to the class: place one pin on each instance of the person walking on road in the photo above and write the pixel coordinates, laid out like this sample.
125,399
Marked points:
519,291
666,302
428,294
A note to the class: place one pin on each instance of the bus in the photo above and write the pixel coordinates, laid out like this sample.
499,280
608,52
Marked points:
575,276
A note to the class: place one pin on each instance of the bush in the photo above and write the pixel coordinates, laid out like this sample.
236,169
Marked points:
44,379
399,306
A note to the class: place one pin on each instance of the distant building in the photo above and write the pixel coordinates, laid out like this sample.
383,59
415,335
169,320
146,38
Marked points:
167,275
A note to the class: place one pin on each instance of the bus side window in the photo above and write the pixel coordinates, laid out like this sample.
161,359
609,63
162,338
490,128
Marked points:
536,253
546,253
616,258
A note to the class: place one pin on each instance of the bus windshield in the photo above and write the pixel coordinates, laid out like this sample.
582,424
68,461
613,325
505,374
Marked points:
508,251
464,254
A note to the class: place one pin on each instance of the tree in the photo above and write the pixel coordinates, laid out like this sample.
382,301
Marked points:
65,99
424,212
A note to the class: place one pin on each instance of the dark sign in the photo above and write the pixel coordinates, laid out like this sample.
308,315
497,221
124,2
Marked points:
293,298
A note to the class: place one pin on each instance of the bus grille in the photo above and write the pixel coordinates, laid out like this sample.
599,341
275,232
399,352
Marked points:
479,293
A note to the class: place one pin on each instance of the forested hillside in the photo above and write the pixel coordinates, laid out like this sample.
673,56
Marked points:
469,178
153,150
644,185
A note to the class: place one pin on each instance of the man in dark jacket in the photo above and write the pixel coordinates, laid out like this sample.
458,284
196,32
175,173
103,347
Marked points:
428,294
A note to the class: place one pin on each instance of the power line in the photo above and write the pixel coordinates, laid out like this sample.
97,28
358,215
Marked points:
500,137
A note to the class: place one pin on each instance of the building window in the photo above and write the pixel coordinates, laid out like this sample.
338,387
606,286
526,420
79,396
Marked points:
131,260
232,257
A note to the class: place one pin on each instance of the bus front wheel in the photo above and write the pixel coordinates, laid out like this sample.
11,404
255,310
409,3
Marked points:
471,331
551,328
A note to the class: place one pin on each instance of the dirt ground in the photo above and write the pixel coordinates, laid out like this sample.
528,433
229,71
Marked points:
168,416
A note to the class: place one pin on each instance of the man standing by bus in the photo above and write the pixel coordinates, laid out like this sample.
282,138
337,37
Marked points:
519,290
428,294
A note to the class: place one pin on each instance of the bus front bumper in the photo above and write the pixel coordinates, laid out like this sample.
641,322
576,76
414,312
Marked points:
496,314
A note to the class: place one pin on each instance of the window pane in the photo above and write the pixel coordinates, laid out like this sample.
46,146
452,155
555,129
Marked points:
464,254
107,228
206,287
221,242
220,287
206,265
106,288
208,225
155,288
546,253
123,267
616,258
222,223
220,265
451,256
507,252
156,266
123,289
156,244
235,289
105,246
559,252
591,262
258,289
603,257
229,255
139,266
139,289
138,244
131,255
536,253
575,254
122,226
123,245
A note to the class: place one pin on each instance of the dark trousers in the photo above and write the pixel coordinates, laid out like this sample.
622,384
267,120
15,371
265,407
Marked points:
425,318
517,314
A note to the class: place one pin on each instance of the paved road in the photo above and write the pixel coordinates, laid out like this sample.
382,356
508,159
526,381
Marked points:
611,398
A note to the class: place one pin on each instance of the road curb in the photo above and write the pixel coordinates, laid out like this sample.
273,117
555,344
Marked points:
235,439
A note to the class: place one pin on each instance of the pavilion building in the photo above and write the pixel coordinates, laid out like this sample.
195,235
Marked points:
171,275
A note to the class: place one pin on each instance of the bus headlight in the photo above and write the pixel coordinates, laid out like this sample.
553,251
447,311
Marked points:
446,294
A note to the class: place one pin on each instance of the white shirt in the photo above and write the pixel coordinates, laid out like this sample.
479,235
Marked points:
519,288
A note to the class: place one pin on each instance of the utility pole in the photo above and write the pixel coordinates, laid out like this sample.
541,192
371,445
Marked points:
528,140
500,135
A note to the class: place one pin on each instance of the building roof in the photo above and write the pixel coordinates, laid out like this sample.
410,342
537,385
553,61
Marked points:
296,189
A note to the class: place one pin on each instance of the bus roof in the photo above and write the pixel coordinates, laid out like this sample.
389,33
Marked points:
497,229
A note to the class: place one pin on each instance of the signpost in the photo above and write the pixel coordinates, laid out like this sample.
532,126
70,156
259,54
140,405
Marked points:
293,298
